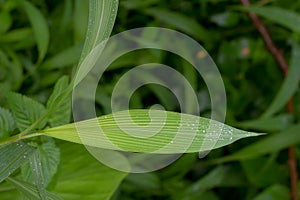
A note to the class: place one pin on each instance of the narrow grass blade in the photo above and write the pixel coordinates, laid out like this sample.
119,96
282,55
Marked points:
286,18
40,28
277,123
289,86
165,132
102,15
181,22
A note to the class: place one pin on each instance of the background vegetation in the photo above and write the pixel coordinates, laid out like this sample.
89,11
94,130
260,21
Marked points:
257,89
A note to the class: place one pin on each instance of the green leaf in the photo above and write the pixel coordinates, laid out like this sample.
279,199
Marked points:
40,28
16,35
289,86
102,15
37,173
274,192
277,123
271,143
61,113
7,123
12,156
286,18
170,132
67,57
263,171
5,21
30,190
26,111
80,176
213,179
145,181
179,21
42,166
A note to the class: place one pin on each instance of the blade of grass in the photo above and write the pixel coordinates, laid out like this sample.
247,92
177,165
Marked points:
40,28
173,132
286,18
289,86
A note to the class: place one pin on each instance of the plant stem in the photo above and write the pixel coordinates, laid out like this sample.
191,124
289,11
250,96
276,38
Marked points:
277,54
18,137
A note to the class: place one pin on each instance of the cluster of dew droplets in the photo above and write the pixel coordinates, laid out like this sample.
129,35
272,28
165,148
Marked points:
8,166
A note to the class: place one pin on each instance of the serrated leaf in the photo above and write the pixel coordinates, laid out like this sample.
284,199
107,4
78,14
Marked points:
47,158
61,113
289,86
37,173
170,132
12,156
30,190
40,27
83,177
26,111
7,123
286,18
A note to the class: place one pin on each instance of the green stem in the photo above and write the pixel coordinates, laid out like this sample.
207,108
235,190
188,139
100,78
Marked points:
19,137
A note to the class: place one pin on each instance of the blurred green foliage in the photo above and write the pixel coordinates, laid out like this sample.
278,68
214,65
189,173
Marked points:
35,51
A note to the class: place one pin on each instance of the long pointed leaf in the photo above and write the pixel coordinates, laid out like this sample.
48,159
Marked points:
170,132
102,15
286,18
289,86
40,28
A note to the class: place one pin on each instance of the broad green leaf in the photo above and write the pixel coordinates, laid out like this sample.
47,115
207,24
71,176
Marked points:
40,27
26,111
7,123
67,57
80,176
271,143
170,132
102,15
30,190
12,156
179,21
277,123
286,18
61,114
42,166
274,192
289,86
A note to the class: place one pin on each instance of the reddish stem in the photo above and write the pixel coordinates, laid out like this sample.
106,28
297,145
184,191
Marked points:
277,54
